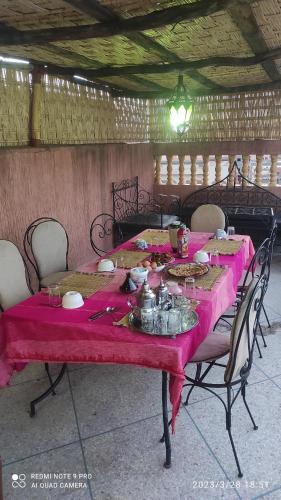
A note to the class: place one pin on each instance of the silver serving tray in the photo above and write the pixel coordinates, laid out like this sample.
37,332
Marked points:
136,327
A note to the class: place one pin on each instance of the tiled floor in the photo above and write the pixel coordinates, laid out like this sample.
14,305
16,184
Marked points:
101,433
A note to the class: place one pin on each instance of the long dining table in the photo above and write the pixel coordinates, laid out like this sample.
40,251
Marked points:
32,331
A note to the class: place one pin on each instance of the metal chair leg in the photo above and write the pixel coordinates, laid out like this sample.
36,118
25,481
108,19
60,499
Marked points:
258,346
228,428
50,378
243,392
262,335
197,376
266,316
168,462
48,391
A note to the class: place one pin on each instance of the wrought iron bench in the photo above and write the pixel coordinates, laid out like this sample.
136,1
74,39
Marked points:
249,207
135,209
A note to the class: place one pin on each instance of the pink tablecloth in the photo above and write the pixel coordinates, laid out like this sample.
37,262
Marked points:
33,331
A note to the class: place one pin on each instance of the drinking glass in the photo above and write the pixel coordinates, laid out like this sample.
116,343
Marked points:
161,321
54,296
230,231
147,319
185,316
214,257
174,321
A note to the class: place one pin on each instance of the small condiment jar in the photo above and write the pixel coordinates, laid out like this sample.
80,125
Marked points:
162,293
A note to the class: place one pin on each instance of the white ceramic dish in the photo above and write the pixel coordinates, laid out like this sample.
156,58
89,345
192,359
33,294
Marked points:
72,300
139,274
201,257
106,266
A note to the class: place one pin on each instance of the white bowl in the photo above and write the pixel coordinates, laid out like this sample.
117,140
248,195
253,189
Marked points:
72,300
139,274
105,266
201,257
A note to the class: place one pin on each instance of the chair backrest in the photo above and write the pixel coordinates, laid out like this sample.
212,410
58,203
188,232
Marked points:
105,234
207,218
46,246
260,263
14,279
244,331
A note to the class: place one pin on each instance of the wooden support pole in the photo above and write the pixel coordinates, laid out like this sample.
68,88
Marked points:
181,169
158,170
259,159
218,168
205,170
35,108
170,170
273,171
193,170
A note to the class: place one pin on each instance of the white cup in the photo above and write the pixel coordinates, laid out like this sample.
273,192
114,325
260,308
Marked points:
72,300
105,266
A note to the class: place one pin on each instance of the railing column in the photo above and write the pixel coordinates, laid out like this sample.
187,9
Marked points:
205,170
245,168
170,170
259,159
181,169
218,168
273,170
158,170
231,160
193,170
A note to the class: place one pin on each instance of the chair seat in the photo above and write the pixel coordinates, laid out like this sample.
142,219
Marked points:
214,346
54,278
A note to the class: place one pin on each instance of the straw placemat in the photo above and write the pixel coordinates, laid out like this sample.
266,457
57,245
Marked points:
129,258
85,283
224,247
155,237
209,280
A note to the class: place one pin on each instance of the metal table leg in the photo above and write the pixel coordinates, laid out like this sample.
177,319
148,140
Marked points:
167,440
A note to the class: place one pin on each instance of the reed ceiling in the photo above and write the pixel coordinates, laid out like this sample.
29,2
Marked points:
222,46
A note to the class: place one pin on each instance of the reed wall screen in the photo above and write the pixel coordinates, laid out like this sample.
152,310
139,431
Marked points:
72,113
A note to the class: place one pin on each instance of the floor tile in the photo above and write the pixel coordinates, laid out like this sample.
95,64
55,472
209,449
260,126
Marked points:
34,371
259,451
271,360
67,460
53,425
110,396
128,464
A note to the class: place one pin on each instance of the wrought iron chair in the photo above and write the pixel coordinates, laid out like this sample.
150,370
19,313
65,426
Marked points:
239,346
208,218
259,266
15,287
46,247
105,234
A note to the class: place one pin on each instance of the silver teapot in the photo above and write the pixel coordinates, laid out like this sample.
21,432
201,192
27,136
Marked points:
162,293
146,298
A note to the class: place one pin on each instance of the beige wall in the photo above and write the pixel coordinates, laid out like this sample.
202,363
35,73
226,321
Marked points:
71,184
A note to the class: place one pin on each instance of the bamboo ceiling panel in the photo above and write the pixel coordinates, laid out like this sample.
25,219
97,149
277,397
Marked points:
27,14
113,51
215,35
268,17
232,77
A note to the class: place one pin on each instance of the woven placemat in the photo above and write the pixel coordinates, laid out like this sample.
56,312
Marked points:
129,258
85,283
156,237
225,247
209,280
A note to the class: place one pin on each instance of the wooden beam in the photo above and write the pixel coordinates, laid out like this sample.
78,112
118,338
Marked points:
35,108
107,71
156,19
226,90
243,16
